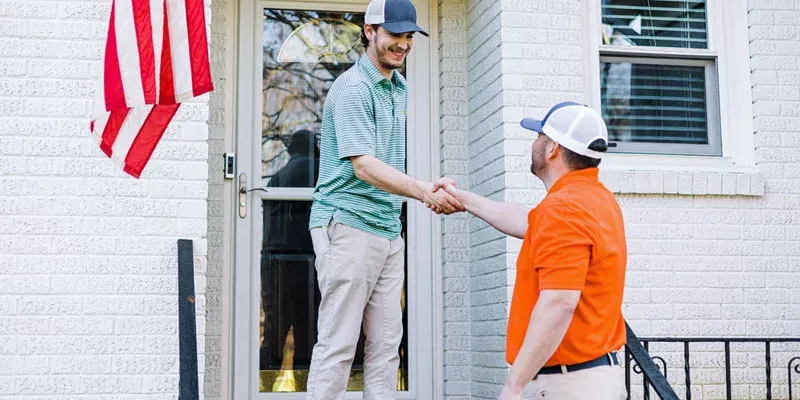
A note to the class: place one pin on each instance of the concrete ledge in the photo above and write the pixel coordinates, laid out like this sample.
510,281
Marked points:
684,182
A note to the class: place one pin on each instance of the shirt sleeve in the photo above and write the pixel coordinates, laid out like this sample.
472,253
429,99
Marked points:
354,122
561,249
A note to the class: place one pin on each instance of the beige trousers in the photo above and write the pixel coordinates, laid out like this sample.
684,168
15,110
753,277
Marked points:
599,383
360,278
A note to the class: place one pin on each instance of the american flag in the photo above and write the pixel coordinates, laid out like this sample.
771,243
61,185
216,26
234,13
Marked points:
156,57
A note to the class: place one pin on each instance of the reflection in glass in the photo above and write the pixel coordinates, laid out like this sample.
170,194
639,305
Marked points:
304,52
654,103
290,299
655,23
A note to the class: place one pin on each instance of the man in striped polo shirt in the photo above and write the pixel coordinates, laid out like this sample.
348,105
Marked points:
355,217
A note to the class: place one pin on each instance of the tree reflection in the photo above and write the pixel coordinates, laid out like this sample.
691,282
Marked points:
304,52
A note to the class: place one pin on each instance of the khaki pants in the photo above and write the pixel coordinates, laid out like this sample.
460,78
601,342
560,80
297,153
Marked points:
599,383
360,278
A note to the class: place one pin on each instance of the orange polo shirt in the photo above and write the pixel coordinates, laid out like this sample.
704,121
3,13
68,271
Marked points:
575,241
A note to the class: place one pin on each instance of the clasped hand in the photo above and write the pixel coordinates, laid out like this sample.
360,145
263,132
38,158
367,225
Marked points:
442,197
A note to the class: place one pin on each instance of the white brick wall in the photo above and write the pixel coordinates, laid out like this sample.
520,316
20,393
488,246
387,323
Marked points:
710,254
216,254
701,258
706,264
455,229
487,260
88,289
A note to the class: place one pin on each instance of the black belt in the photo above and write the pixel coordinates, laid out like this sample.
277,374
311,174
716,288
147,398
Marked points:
605,359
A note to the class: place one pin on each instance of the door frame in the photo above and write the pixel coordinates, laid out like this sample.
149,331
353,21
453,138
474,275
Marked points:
424,279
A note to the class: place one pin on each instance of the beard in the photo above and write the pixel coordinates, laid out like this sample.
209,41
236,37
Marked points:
385,57
538,162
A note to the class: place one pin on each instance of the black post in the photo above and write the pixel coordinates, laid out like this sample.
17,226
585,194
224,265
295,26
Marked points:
628,374
687,370
187,322
645,382
728,370
769,372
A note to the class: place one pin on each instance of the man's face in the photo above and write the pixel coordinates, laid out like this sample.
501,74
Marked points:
391,48
539,150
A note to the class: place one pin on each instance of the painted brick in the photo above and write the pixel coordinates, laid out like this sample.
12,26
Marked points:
454,137
24,365
73,217
82,325
671,183
487,167
49,345
81,364
149,365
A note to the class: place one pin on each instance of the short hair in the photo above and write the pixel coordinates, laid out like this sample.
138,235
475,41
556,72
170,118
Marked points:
576,161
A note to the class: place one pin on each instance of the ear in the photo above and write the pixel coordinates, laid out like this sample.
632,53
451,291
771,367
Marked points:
370,32
555,150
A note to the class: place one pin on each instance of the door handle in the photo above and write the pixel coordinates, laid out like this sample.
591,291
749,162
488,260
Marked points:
242,195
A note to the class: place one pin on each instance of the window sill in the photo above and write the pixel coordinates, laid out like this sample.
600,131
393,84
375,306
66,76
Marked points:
683,175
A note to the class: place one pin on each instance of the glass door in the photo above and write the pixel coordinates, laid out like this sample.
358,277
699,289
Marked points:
304,51
300,51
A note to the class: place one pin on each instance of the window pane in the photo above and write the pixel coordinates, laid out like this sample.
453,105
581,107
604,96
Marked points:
290,301
659,23
654,103
304,52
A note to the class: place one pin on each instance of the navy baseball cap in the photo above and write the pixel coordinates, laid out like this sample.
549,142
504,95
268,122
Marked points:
396,16
572,125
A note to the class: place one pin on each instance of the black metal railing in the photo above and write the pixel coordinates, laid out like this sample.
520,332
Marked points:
645,365
654,368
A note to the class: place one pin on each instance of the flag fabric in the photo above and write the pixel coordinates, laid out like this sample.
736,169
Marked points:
156,57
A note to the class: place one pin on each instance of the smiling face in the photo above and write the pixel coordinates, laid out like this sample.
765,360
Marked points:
388,49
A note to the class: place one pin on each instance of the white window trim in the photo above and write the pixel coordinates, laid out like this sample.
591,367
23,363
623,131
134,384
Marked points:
731,45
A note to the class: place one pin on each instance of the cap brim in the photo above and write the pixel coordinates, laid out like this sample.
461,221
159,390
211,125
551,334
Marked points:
403,27
532,124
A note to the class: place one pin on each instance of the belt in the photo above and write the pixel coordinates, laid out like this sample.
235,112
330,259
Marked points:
606,359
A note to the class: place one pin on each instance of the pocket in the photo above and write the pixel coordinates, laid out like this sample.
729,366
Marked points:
331,230
319,239
535,390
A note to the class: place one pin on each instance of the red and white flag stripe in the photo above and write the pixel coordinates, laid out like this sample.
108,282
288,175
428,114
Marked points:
156,57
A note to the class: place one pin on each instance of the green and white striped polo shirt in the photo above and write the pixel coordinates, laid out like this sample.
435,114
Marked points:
364,114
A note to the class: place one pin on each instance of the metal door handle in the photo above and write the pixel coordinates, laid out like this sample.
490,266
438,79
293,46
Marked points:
242,195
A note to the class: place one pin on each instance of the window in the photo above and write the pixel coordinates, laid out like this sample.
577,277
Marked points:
663,75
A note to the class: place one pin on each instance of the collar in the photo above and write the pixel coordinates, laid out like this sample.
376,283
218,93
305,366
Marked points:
374,76
581,175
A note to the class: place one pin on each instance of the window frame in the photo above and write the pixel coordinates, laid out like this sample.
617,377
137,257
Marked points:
730,121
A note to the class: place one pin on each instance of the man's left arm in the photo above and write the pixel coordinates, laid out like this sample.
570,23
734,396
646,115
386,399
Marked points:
560,257
549,322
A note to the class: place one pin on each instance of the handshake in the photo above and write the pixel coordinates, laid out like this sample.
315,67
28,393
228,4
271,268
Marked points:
442,196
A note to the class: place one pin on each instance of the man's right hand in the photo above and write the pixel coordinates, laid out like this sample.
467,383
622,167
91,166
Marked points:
440,201
511,219
449,186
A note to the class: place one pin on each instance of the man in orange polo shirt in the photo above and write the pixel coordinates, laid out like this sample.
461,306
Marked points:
565,325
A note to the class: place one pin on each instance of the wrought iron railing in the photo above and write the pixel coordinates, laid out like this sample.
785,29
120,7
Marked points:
654,371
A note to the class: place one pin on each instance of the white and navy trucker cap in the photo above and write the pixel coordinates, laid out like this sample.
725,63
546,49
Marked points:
572,125
396,16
